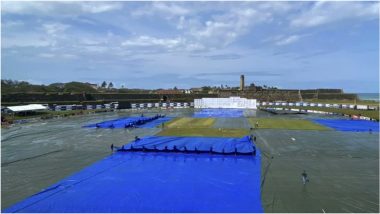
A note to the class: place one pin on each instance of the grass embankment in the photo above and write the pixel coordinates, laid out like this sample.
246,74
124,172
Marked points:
367,113
282,123
51,114
199,127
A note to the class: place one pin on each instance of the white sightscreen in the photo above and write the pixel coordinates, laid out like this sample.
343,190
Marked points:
231,102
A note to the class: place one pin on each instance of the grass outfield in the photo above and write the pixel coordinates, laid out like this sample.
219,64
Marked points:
204,132
187,122
357,102
282,123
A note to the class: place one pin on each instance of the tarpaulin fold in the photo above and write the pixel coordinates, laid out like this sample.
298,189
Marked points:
129,122
220,145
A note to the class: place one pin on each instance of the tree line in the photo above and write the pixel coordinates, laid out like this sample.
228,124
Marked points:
15,86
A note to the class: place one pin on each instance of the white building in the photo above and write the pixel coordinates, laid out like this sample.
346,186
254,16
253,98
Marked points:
231,102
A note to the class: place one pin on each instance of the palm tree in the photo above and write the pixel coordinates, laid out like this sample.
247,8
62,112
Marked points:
104,84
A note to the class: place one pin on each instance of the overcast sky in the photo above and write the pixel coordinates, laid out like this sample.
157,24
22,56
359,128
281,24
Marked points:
190,44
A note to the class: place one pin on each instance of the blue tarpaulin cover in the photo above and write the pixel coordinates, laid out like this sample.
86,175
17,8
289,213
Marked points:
223,145
155,182
205,113
126,122
155,123
349,125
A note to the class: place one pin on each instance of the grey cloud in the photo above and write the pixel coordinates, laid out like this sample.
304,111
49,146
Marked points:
59,8
224,57
218,56
327,12
316,53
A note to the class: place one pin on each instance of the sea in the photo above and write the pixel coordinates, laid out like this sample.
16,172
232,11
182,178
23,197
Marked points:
369,96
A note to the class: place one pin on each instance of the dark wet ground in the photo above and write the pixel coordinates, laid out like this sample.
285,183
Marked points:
343,167
39,154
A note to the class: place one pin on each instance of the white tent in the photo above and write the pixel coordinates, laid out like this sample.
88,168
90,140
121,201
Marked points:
30,107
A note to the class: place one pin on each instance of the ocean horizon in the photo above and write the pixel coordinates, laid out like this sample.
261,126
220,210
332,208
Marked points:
369,96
